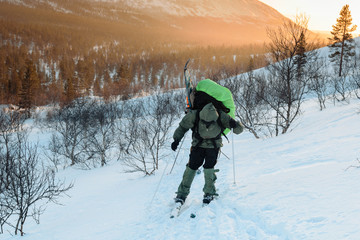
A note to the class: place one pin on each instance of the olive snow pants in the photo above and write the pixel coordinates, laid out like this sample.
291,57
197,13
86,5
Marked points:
197,158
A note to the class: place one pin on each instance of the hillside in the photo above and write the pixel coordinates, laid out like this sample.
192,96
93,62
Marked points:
295,186
299,185
127,48
212,22
108,48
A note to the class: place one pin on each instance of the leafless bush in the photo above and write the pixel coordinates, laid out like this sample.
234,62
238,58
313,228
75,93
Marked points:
9,123
342,87
355,81
250,108
146,132
6,207
354,166
102,138
162,117
320,83
25,184
287,80
136,156
72,126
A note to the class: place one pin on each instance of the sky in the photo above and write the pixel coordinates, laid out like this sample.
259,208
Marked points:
322,13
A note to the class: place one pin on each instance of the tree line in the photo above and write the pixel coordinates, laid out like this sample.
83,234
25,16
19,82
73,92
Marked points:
33,80
46,62
268,102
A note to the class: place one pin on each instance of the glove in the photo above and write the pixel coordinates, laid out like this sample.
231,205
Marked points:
174,145
232,123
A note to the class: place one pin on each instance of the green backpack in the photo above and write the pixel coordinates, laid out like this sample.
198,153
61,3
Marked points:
220,93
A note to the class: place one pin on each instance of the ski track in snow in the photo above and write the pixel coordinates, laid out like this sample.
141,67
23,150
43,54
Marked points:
225,218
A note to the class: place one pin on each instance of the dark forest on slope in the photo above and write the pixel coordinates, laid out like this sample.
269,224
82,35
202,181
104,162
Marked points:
51,55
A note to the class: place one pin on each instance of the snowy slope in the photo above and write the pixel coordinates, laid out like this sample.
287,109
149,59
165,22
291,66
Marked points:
226,9
290,187
233,21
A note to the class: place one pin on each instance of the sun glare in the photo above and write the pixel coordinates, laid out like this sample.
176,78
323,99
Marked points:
322,13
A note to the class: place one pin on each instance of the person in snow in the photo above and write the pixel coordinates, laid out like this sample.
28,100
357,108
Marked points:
207,120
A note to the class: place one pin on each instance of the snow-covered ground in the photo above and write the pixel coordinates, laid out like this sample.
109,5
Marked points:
295,186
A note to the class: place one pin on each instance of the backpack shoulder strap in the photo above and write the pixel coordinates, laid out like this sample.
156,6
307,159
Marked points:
221,127
195,129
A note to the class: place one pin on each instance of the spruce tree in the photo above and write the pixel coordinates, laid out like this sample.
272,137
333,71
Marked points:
28,83
342,45
70,92
300,58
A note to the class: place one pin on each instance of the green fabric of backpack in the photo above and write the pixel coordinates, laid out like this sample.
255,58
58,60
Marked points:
220,93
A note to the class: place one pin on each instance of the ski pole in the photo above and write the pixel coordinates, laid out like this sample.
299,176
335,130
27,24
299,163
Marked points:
232,136
182,141
157,187
224,154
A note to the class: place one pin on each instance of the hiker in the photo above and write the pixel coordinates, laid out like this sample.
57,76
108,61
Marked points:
207,119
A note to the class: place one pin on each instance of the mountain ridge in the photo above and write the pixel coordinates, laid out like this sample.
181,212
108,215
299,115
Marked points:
228,9
225,22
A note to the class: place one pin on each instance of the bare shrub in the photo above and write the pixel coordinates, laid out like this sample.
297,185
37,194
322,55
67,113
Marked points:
26,185
102,137
252,111
72,125
145,131
320,83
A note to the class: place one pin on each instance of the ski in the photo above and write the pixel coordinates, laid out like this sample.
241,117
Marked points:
176,211
188,85
193,214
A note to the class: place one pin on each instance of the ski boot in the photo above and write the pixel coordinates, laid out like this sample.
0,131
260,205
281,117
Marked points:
179,199
208,198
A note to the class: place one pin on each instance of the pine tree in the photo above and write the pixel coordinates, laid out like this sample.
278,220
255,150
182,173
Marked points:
27,87
70,92
300,58
123,78
342,45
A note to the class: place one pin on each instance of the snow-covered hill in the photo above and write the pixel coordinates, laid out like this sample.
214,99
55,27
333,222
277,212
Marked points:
227,9
225,21
296,186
